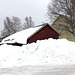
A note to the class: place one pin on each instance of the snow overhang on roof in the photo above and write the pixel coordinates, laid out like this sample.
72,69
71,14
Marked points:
22,36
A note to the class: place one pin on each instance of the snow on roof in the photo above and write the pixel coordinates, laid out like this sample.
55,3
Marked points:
22,36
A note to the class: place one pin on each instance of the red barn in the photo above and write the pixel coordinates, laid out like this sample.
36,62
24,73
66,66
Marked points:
30,35
45,32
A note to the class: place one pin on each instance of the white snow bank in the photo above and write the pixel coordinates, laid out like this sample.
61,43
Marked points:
45,52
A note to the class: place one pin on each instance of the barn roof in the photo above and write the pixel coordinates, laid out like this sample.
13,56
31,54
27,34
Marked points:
22,36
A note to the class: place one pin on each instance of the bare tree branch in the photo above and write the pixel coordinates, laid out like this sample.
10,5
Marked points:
65,8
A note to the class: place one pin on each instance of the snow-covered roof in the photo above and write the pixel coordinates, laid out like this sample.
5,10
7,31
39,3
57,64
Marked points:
22,36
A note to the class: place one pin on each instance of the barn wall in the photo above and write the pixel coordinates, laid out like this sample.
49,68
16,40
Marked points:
44,33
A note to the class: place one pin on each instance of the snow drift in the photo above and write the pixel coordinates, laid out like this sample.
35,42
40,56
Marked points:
44,52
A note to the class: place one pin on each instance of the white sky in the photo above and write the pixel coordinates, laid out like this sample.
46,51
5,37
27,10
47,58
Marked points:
37,9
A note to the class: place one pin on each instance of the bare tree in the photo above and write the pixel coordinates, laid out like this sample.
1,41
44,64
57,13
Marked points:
28,22
7,28
11,26
16,24
65,8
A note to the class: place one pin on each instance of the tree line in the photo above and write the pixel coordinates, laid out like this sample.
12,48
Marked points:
13,25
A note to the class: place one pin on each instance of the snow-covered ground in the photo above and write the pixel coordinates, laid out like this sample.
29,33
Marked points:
39,70
45,52
46,57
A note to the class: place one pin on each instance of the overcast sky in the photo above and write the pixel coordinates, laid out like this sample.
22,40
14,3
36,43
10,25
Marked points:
37,9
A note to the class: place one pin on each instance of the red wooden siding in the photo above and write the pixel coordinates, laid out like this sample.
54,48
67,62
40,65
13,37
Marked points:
45,33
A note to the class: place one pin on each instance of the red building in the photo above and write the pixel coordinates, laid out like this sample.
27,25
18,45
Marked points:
45,32
30,35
